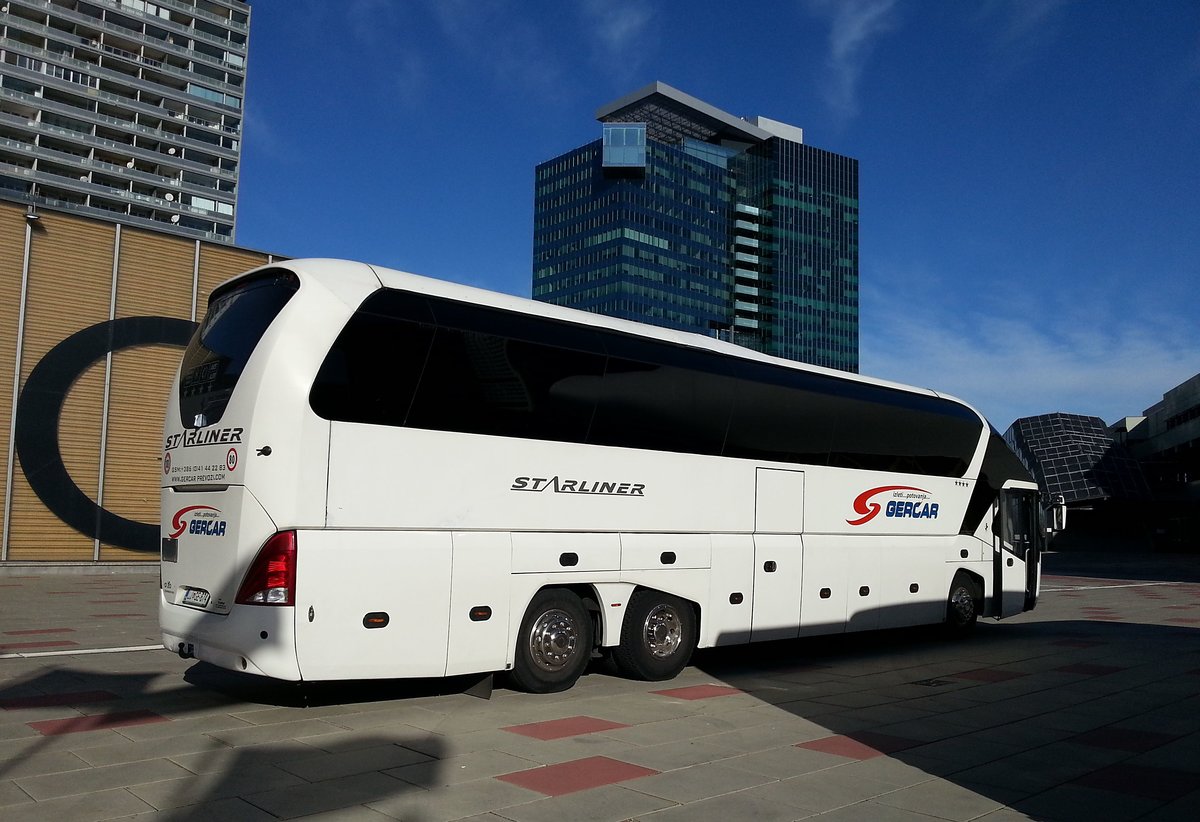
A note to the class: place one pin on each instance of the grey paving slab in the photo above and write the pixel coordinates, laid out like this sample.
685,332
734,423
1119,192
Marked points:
106,804
874,811
136,750
458,769
278,732
11,794
39,764
455,801
749,804
226,758
91,780
945,799
202,788
782,763
224,810
825,790
324,766
688,785
611,803
1078,802
330,795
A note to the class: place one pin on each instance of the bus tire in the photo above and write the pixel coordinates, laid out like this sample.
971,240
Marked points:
554,643
962,606
658,636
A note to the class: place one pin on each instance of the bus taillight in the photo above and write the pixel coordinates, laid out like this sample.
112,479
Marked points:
271,579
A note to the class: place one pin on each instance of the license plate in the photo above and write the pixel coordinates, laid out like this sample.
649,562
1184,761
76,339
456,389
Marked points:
196,596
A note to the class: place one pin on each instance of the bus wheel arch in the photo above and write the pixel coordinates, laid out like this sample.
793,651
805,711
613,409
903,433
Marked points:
658,635
964,603
554,641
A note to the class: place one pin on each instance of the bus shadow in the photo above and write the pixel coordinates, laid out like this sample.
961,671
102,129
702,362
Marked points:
1053,719
189,758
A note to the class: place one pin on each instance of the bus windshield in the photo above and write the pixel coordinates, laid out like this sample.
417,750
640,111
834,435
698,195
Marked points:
236,320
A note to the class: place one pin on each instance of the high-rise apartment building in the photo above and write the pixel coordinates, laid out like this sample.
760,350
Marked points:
688,217
127,110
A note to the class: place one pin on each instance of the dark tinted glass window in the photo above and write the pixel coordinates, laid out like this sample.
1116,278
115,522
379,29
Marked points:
372,370
215,358
778,416
425,362
887,430
487,384
662,397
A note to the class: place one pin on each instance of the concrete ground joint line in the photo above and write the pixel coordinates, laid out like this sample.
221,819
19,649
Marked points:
82,652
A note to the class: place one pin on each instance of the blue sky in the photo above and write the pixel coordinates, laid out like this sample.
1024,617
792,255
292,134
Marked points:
1029,169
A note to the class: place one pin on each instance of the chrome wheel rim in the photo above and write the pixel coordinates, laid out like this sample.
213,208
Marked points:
553,640
662,631
962,604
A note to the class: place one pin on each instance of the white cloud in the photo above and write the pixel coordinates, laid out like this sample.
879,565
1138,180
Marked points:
619,29
854,28
1009,362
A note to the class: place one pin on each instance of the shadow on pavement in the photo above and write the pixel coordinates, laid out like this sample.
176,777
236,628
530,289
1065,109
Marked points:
1060,720
193,770
1124,566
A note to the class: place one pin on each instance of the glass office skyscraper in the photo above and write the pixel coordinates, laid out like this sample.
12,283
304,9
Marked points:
126,110
687,217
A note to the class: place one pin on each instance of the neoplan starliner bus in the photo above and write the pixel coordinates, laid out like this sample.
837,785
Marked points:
373,474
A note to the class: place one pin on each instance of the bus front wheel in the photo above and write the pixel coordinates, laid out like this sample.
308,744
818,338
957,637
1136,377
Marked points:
657,636
962,606
554,645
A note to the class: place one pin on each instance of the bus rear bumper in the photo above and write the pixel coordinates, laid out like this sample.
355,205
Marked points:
253,639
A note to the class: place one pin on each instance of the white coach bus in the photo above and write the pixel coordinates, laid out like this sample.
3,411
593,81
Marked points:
373,474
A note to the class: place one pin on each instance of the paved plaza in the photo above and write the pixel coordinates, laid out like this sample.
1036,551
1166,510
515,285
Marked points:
1086,708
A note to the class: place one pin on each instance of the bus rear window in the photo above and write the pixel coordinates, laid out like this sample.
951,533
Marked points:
236,320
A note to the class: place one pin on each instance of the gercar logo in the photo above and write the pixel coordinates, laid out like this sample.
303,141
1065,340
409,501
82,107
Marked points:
906,501
205,521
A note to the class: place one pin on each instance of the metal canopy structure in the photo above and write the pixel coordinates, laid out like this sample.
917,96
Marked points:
671,116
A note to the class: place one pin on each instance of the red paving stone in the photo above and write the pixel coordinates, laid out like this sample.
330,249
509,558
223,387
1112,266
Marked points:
66,593
110,601
56,700
1163,784
109,616
580,775
9,647
562,728
32,631
1185,620
79,724
1124,739
1091,670
699,692
860,746
989,675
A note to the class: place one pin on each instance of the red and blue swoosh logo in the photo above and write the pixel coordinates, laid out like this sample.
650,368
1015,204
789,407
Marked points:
864,505
180,524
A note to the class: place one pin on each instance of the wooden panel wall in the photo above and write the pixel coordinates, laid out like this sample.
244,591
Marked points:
71,288
155,277
12,252
70,281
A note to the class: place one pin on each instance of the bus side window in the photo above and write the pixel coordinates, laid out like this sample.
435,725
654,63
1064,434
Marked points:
372,370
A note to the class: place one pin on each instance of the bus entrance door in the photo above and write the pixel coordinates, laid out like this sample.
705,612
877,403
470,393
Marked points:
1015,555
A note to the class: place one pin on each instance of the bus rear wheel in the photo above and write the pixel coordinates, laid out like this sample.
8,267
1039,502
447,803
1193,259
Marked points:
962,606
657,636
554,644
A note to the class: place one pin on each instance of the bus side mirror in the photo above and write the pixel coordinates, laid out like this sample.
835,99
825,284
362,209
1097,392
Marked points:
1058,514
